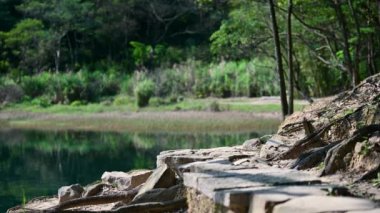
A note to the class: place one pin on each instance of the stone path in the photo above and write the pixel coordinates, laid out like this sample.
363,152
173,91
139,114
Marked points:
225,179
234,179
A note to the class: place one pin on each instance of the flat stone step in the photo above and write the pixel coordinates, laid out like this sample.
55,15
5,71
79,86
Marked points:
181,157
314,204
210,182
263,199
234,188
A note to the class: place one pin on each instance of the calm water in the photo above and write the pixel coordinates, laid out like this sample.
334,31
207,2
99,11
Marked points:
37,163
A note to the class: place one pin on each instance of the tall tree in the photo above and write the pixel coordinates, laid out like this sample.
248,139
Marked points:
351,67
290,57
280,69
61,18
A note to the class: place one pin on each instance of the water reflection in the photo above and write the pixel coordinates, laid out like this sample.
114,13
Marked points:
36,163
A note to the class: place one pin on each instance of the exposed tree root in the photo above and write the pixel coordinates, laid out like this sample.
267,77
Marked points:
169,206
334,160
313,140
313,157
95,200
371,174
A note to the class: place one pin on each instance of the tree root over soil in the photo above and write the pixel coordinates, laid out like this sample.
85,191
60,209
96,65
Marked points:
332,154
313,140
95,200
168,206
334,160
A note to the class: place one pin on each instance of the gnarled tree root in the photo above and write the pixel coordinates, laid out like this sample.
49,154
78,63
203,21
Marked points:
95,200
334,160
311,141
168,206
314,140
371,174
312,158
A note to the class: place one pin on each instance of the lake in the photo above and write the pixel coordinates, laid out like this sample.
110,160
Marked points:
36,163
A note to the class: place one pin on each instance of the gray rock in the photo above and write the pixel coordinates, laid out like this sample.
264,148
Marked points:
66,193
94,189
272,148
162,177
311,204
161,195
252,144
126,180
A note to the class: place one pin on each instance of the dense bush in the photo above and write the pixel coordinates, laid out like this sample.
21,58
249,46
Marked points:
10,93
224,79
191,78
69,87
35,86
144,91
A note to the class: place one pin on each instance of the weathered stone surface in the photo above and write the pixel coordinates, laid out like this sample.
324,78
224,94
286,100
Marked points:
208,183
126,180
66,193
180,157
377,210
161,195
311,204
197,202
264,200
94,189
214,165
162,177
272,148
252,144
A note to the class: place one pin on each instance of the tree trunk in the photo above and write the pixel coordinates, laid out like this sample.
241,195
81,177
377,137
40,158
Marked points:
57,56
346,46
280,69
358,42
290,58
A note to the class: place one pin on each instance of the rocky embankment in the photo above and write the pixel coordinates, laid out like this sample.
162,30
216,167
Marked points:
324,159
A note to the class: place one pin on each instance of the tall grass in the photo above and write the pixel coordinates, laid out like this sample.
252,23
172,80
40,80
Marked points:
190,78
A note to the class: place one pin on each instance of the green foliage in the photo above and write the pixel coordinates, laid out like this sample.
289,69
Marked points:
197,48
10,92
35,86
214,107
376,181
76,103
42,101
26,42
236,36
143,92
365,148
141,53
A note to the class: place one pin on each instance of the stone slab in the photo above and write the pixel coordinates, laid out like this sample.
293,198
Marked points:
262,201
209,183
180,157
377,210
162,177
258,198
314,204
126,180
213,165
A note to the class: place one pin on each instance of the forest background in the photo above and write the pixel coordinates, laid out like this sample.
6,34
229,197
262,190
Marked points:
114,52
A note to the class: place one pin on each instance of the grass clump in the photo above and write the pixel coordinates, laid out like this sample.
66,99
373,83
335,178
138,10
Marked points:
144,91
